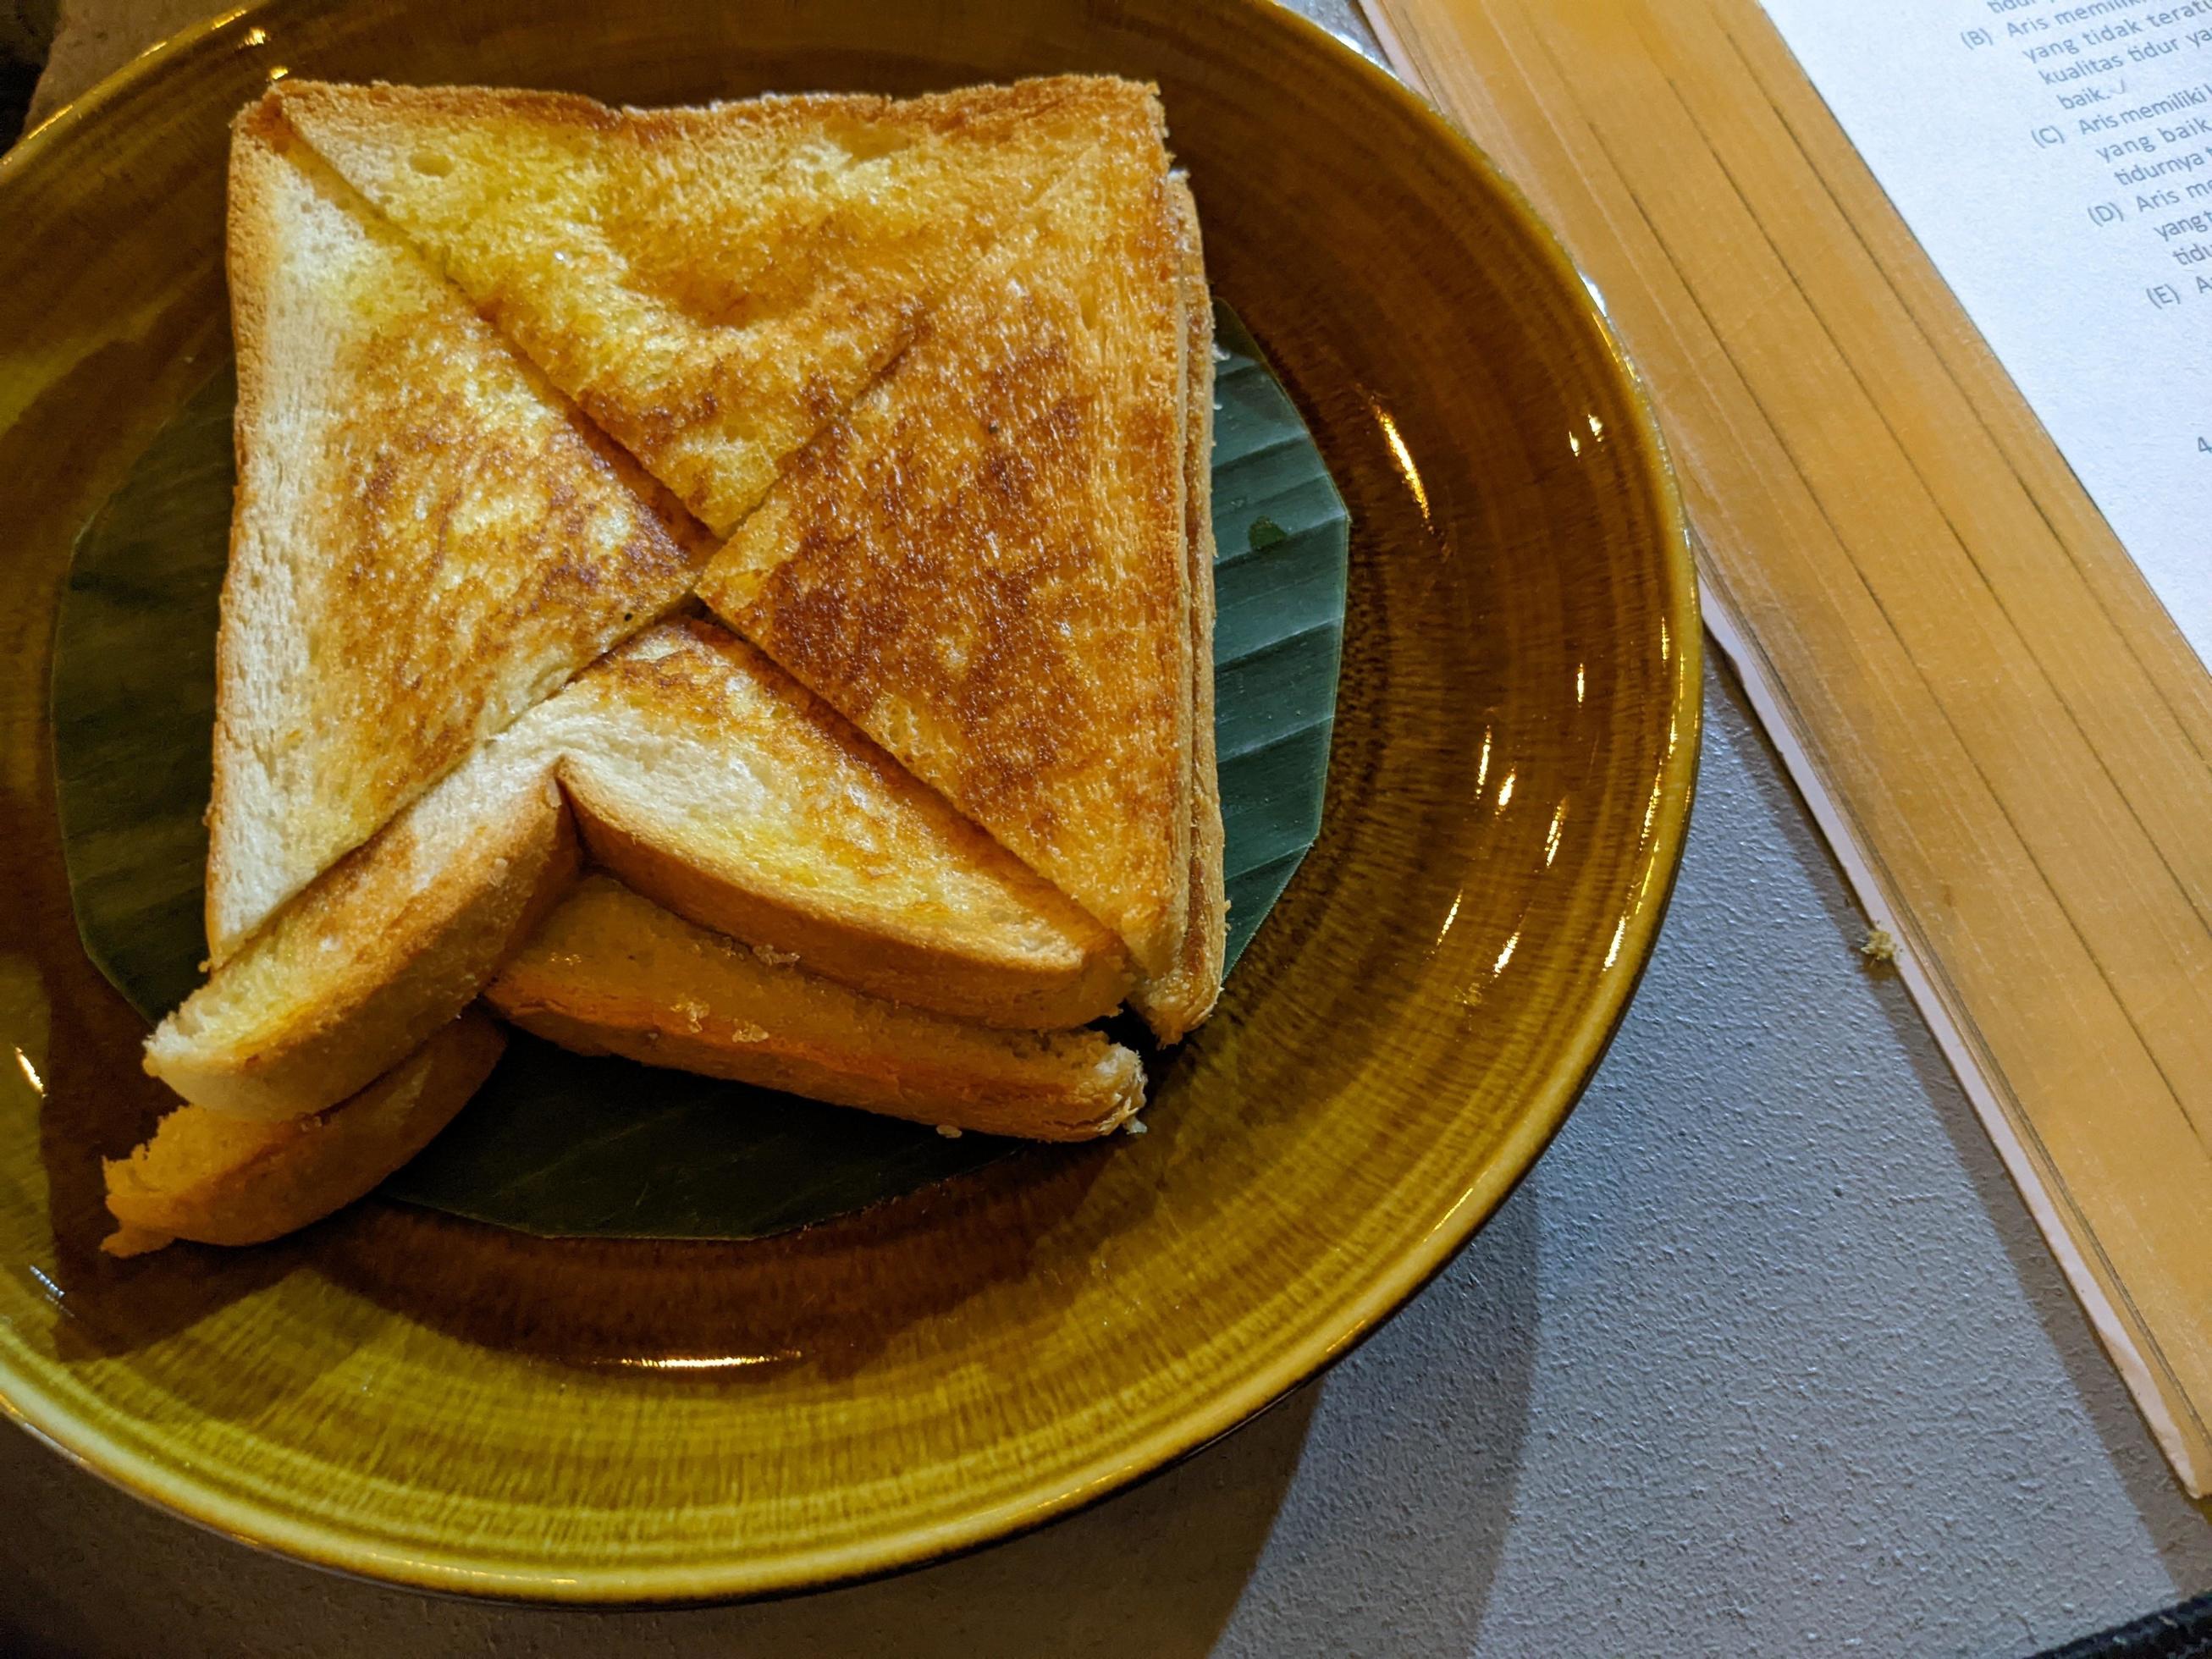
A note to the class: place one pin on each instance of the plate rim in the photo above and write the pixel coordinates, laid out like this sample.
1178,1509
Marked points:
351,1553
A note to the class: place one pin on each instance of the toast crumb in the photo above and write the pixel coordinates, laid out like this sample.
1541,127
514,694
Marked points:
129,1241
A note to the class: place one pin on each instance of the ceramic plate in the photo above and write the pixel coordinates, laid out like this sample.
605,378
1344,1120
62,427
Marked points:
423,1400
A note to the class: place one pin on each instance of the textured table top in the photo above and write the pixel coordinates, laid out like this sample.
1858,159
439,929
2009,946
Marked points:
1765,1356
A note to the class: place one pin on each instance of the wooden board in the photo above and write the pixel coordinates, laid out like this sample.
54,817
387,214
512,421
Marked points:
2000,728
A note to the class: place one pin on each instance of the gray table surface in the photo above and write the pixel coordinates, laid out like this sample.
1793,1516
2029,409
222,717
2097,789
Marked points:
1765,1356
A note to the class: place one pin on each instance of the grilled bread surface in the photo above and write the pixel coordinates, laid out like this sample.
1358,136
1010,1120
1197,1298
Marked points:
710,284
983,564
427,539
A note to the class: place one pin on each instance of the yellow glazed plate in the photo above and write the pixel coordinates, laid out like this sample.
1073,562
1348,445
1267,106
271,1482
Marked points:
419,1399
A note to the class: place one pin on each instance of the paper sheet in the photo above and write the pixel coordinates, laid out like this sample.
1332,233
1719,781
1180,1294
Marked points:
2055,159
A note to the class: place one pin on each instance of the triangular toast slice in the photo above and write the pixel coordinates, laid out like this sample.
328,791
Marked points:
709,780
985,563
428,538
613,973
709,284
385,946
218,1179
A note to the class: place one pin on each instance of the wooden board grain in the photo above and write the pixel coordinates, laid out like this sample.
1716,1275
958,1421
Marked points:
2001,729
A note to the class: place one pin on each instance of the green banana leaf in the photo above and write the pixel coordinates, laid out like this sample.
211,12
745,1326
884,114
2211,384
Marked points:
556,1143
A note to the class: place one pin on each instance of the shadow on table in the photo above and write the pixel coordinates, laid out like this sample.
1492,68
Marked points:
1227,1553
2174,1522
1391,1539
1156,1571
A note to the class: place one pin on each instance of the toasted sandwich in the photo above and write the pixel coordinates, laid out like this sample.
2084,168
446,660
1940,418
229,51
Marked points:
701,770
709,284
613,973
428,541
936,376
997,276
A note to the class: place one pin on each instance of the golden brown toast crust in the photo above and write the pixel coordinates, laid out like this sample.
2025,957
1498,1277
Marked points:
1175,1002
613,972
830,852
709,284
217,1178
428,539
392,943
983,562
